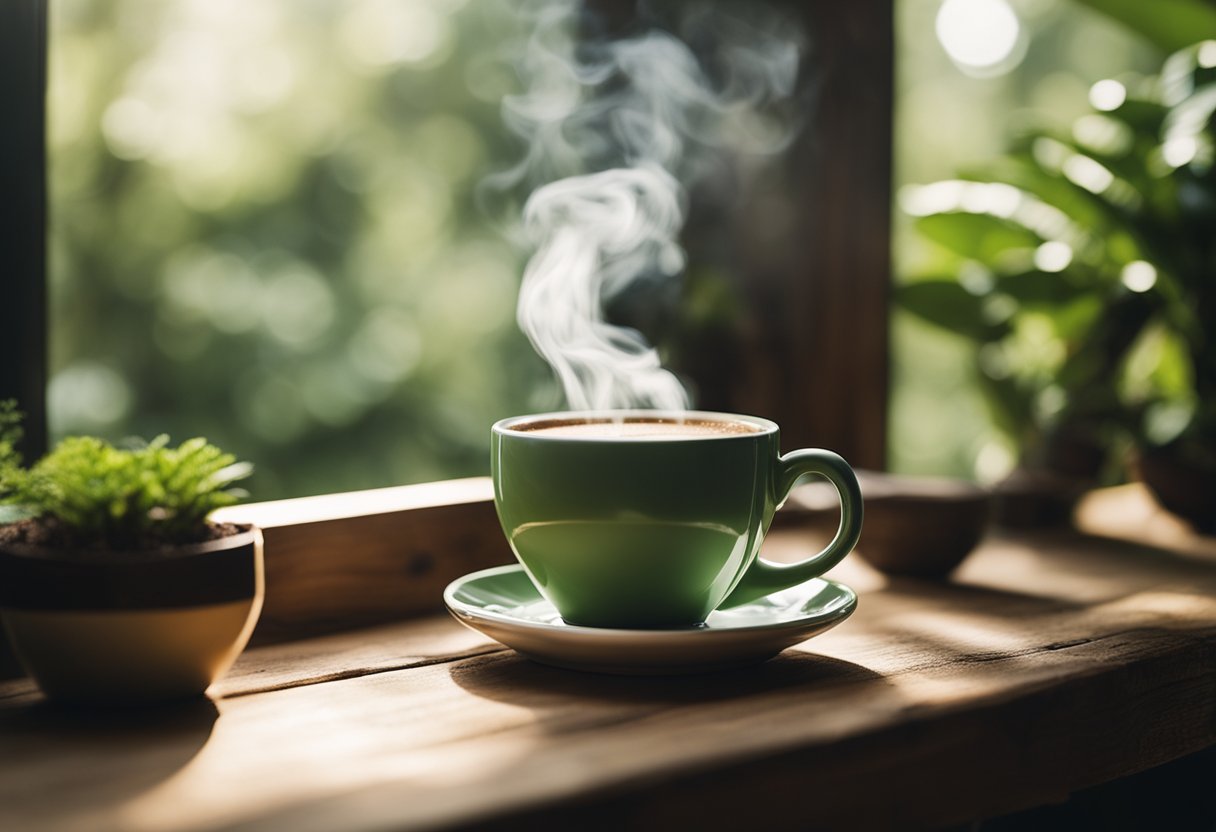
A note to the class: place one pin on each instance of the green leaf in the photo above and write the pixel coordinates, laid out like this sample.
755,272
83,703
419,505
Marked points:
1022,171
1073,321
945,303
1143,116
1156,238
1128,165
1095,362
229,474
976,236
10,422
1009,404
1040,288
1169,24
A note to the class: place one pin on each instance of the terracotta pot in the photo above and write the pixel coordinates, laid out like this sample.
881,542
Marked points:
130,627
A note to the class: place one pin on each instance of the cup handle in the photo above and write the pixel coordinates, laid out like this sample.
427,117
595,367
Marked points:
764,577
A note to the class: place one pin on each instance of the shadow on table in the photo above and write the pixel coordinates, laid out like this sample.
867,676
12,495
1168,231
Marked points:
70,752
1175,796
986,601
1097,554
1058,571
508,677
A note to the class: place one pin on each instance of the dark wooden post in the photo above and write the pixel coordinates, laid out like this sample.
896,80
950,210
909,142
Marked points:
803,247
23,366
800,253
813,249
834,318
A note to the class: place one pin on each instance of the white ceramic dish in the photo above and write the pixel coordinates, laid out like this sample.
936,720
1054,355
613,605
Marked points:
504,604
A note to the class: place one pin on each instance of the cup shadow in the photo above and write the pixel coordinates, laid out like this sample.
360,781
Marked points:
511,678
71,751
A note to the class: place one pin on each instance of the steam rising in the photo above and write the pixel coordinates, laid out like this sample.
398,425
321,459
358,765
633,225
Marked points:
617,128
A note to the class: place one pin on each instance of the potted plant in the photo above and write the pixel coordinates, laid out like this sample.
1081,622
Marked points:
114,585
1083,266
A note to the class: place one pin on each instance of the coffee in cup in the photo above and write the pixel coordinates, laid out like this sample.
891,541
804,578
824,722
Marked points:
635,427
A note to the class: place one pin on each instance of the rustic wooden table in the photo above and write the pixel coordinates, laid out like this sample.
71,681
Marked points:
1050,662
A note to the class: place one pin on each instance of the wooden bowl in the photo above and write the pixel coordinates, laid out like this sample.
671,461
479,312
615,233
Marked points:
1184,485
913,526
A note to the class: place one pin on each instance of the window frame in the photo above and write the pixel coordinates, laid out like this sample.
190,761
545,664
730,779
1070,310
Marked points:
397,547
23,212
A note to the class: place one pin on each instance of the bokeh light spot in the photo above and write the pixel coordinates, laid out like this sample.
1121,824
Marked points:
131,128
1179,150
1206,57
978,34
1090,175
297,306
387,347
85,397
1107,95
270,406
381,33
1053,256
1139,276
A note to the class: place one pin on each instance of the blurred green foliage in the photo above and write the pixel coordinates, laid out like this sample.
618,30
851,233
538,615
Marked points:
949,118
263,229
1082,263
1169,24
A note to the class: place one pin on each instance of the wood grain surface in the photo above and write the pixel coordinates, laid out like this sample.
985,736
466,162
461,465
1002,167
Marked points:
1048,663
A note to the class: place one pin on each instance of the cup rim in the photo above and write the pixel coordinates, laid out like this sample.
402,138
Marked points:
506,427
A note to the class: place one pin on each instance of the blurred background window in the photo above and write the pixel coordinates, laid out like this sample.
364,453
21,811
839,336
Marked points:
266,229
971,77
263,226
263,230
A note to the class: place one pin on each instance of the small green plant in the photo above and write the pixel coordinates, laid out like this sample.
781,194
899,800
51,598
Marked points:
91,493
10,435
10,459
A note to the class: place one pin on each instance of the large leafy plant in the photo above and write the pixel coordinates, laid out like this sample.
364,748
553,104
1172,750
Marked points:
91,493
1083,266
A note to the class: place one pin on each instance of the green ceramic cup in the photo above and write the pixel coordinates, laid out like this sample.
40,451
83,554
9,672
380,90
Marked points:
658,528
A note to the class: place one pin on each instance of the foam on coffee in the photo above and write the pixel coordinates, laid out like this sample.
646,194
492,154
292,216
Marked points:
636,428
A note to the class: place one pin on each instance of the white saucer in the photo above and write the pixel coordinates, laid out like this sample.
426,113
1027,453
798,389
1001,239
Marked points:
504,604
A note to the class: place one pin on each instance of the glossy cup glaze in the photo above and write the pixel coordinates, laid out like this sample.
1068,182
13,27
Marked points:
655,533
